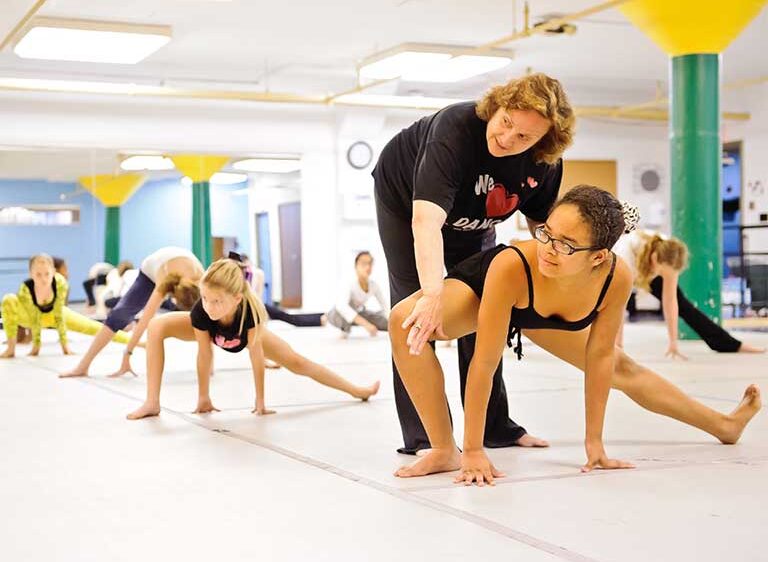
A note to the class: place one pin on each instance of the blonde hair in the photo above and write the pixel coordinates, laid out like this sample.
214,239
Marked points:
124,266
227,275
184,290
537,92
669,251
41,257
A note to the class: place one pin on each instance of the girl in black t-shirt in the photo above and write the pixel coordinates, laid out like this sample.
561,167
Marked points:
231,317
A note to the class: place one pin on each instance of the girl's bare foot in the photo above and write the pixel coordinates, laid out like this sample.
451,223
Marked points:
746,348
740,417
8,354
530,441
366,392
147,410
436,460
73,373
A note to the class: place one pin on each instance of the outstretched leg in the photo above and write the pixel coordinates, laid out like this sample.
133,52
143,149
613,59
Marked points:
423,377
172,325
283,354
652,391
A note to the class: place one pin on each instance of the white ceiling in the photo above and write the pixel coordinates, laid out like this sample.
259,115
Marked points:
312,47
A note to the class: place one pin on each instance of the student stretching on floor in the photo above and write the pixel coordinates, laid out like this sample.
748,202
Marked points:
553,288
656,263
40,304
231,317
169,270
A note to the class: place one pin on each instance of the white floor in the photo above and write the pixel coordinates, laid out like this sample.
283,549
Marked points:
78,482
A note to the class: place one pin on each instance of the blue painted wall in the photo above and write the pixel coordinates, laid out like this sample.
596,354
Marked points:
81,245
157,215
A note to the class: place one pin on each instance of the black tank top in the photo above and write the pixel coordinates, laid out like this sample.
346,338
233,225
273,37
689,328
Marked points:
45,307
473,272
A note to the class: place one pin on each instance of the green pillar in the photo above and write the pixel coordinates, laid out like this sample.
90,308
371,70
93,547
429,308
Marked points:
695,175
202,243
112,236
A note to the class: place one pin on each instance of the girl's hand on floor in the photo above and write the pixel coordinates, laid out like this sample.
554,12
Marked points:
205,406
35,351
261,410
125,367
673,353
597,458
477,468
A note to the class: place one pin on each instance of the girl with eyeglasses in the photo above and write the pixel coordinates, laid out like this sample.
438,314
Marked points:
567,291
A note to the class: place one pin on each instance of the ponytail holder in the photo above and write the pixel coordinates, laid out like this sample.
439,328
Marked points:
631,216
247,271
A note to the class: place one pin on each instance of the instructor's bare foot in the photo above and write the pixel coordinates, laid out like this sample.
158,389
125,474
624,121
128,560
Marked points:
367,391
436,460
530,441
746,348
740,417
147,410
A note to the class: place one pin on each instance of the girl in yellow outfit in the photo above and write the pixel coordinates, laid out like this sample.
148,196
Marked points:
40,304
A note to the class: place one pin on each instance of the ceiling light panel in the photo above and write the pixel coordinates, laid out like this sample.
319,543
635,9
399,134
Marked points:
426,62
268,165
142,162
228,178
91,41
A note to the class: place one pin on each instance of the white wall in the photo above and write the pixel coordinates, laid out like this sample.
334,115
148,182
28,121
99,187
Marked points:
330,237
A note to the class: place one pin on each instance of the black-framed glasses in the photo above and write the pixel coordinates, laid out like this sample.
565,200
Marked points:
560,246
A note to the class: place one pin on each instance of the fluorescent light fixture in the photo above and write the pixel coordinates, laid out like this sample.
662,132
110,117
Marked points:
432,63
382,100
457,68
143,162
90,41
77,86
268,165
408,62
228,178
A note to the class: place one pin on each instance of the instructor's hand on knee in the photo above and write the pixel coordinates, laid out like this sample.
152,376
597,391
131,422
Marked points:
425,320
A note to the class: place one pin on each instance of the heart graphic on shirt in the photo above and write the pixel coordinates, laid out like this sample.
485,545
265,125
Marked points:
532,182
223,343
498,203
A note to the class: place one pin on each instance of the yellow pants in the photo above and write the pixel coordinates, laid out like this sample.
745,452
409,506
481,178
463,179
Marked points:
15,315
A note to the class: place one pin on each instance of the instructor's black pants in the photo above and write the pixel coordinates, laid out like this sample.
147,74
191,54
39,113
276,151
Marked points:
713,335
397,240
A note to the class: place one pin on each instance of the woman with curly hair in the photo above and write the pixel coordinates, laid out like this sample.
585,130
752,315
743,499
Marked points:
656,263
441,186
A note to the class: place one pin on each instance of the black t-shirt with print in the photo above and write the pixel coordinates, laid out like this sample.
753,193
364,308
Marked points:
444,159
229,337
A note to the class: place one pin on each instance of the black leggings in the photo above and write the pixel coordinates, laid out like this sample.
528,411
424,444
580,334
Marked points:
397,240
301,320
88,284
713,335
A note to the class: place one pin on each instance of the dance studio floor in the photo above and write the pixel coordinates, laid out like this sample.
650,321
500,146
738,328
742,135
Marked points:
79,483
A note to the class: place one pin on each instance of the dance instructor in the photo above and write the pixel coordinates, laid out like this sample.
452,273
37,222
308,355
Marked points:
441,186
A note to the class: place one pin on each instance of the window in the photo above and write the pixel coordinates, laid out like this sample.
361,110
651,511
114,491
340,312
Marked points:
40,215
